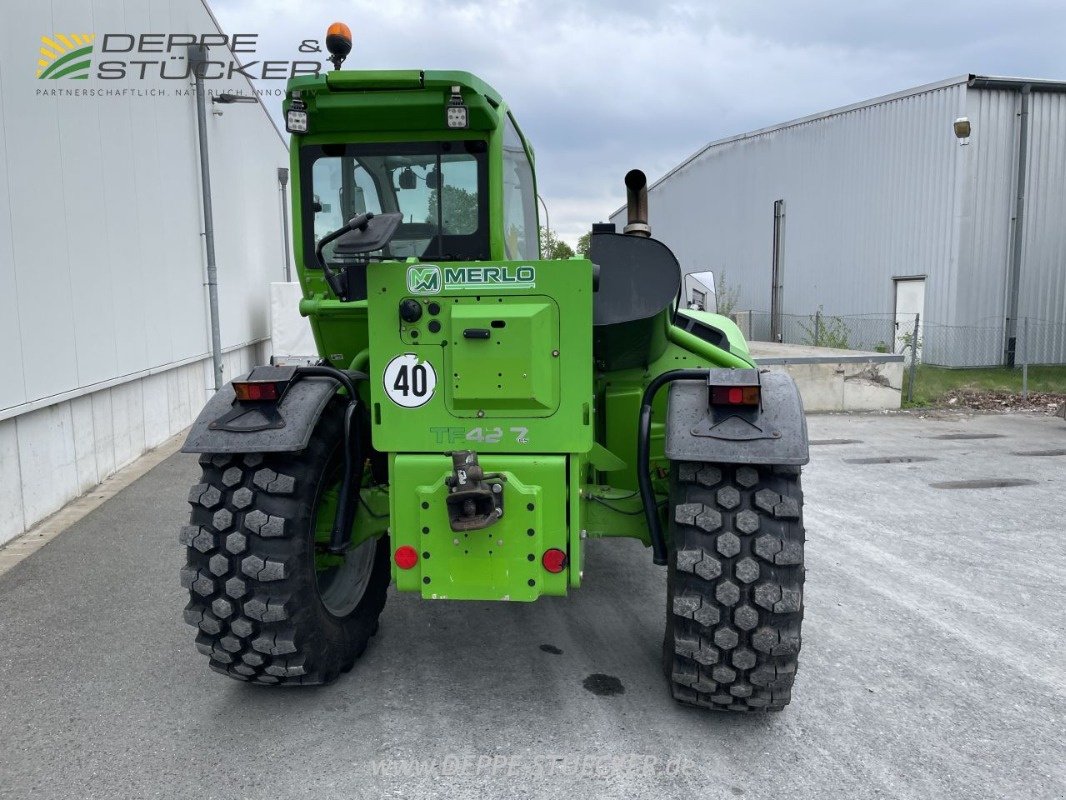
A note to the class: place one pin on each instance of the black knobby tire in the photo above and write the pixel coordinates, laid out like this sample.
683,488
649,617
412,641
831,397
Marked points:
254,594
734,585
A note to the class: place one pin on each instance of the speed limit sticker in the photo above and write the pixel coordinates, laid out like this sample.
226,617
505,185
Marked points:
408,381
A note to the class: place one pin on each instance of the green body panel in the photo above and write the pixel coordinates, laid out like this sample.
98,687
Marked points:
379,79
340,329
619,394
577,472
738,345
520,374
519,390
501,562
527,396
607,511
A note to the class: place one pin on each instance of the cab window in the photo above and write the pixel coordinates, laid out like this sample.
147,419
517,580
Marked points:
519,199
440,188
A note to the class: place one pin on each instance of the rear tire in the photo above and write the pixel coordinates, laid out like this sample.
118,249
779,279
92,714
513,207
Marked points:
734,585
263,612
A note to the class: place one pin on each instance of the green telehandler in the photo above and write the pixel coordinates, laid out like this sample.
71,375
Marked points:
478,414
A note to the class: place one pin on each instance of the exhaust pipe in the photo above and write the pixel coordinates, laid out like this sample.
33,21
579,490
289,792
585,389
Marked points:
637,204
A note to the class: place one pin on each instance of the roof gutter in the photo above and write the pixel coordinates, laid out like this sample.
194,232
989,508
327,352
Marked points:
821,115
1015,84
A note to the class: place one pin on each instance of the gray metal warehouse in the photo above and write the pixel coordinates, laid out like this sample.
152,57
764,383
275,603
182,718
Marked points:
947,201
104,302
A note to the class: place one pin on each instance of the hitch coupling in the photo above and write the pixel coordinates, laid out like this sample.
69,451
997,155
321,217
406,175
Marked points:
475,500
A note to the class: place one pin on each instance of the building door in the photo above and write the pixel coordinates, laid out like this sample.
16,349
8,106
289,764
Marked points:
910,300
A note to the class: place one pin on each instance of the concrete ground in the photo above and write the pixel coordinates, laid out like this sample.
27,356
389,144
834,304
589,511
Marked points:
933,661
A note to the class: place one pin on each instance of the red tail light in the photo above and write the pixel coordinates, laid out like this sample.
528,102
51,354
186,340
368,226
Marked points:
405,556
554,560
253,391
735,395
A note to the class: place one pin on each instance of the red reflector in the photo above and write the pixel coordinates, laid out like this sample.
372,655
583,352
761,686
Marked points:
554,560
735,395
405,557
256,391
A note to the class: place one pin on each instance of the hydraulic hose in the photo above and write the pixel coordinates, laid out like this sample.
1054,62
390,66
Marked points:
342,523
647,495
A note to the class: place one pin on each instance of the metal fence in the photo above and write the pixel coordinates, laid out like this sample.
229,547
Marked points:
1037,341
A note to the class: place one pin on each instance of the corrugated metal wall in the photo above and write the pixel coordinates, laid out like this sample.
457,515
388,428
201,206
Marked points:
975,329
103,314
868,196
1042,295
101,255
986,200
879,191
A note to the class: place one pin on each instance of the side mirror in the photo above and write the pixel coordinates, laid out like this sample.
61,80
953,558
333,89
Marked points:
407,179
432,179
699,291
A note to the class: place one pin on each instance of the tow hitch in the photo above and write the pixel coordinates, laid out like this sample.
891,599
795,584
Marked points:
475,500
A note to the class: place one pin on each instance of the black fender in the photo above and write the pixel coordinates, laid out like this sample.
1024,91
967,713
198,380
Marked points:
775,432
291,420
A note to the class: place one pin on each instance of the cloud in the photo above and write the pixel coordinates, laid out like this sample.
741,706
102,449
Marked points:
602,87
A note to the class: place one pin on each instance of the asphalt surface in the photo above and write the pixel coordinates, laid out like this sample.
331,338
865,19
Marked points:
933,660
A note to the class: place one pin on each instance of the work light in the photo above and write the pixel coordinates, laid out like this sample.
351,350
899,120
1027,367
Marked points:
455,113
296,118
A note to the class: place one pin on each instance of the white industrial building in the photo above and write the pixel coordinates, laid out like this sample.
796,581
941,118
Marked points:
880,210
104,314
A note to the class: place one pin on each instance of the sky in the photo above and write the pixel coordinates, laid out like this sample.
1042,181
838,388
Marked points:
603,87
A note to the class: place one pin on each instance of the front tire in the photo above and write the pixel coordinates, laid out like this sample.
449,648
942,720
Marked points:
266,610
734,585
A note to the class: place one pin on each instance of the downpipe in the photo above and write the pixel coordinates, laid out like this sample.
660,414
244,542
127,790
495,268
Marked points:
283,181
1014,267
197,58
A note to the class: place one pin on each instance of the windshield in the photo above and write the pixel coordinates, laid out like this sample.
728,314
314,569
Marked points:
440,188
